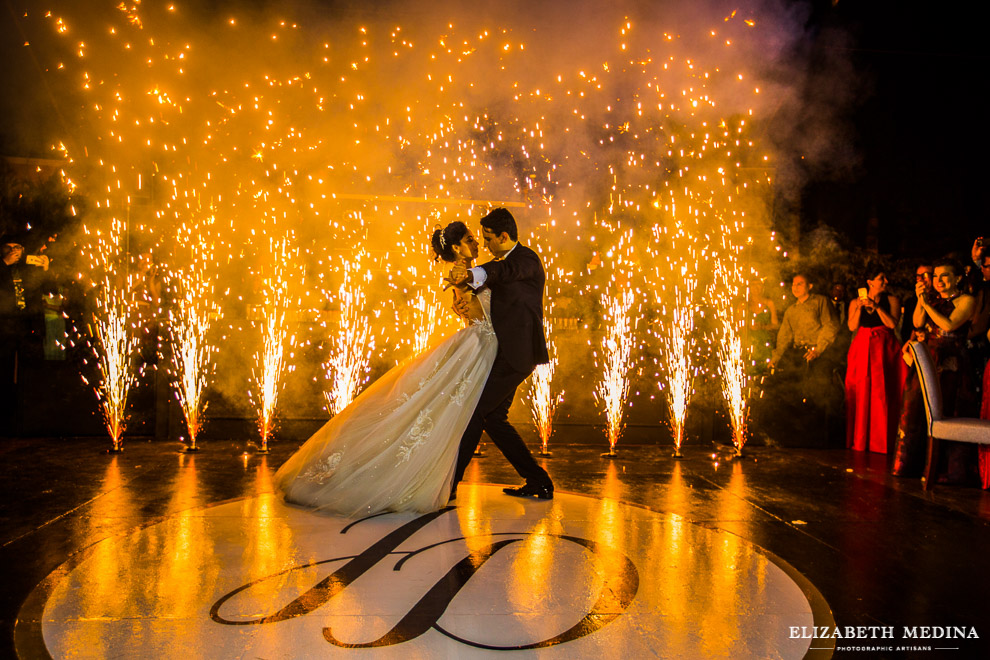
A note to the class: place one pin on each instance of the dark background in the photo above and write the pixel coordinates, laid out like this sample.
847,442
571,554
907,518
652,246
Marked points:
916,124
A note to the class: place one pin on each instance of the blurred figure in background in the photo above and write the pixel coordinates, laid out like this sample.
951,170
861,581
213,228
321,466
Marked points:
18,304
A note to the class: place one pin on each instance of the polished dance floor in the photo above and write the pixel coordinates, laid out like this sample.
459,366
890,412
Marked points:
787,553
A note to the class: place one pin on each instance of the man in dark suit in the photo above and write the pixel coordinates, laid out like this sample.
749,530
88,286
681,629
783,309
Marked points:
516,279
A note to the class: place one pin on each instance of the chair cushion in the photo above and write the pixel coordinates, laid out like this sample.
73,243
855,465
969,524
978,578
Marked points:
962,429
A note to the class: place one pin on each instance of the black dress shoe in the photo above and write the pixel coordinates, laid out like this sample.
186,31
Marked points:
531,490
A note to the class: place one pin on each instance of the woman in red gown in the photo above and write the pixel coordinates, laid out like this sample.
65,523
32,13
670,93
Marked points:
873,401
985,414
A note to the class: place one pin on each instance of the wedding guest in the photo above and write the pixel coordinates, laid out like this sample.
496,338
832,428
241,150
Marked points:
873,371
976,339
923,274
12,327
18,308
798,397
11,283
984,450
944,313
808,328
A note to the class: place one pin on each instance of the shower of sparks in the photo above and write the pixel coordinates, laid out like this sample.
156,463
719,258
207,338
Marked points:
270,358
190,319
308,130
351,342
428,318
729,295
542,400
114,336
616,357
675,327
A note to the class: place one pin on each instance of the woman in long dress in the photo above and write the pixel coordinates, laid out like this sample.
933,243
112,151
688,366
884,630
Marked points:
873,374
394,448
984,450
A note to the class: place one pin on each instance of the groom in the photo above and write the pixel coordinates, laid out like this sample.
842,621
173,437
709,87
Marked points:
516,280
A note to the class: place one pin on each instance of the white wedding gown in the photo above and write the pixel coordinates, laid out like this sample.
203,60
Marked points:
394,448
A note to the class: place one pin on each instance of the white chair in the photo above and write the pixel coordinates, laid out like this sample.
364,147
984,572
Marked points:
959,429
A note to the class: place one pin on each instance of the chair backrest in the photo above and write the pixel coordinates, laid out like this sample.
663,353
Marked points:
931,390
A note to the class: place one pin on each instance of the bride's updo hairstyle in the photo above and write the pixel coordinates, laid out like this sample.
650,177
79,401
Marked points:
444,239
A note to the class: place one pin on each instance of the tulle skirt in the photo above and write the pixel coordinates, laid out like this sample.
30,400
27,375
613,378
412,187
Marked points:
394,448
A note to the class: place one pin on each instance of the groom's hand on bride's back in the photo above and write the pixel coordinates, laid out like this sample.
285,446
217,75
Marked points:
461,306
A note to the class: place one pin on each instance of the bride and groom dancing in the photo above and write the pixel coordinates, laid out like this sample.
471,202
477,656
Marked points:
404,443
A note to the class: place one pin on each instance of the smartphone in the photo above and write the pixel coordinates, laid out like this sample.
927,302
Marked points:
863,293
35,260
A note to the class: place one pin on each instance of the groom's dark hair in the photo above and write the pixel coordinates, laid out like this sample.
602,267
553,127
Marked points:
499,221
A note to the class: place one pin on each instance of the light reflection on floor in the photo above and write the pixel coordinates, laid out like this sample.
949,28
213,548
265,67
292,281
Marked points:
575,577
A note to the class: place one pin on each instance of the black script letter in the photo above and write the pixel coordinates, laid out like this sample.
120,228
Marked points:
334,583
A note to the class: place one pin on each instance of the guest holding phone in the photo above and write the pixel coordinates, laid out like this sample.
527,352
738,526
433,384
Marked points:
873,371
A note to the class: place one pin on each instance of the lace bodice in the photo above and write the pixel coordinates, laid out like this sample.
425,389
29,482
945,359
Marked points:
485,298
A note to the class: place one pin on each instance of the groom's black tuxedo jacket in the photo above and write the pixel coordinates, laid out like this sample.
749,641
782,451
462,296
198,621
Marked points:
516,283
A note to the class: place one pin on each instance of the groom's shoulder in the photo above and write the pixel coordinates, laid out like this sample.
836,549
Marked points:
525,250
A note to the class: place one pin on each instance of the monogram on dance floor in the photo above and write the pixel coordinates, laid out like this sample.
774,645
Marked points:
575,576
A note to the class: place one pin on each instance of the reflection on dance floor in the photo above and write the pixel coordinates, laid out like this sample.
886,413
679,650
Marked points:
576,577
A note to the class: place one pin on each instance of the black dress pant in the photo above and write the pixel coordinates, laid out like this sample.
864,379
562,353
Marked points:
491,415
802,404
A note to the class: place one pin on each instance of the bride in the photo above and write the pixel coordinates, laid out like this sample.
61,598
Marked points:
394,448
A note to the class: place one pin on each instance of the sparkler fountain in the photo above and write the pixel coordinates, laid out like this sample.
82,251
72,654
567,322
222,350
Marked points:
616,348
319,138
675,329
189,324
269,360
729,293
543,401
113,338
